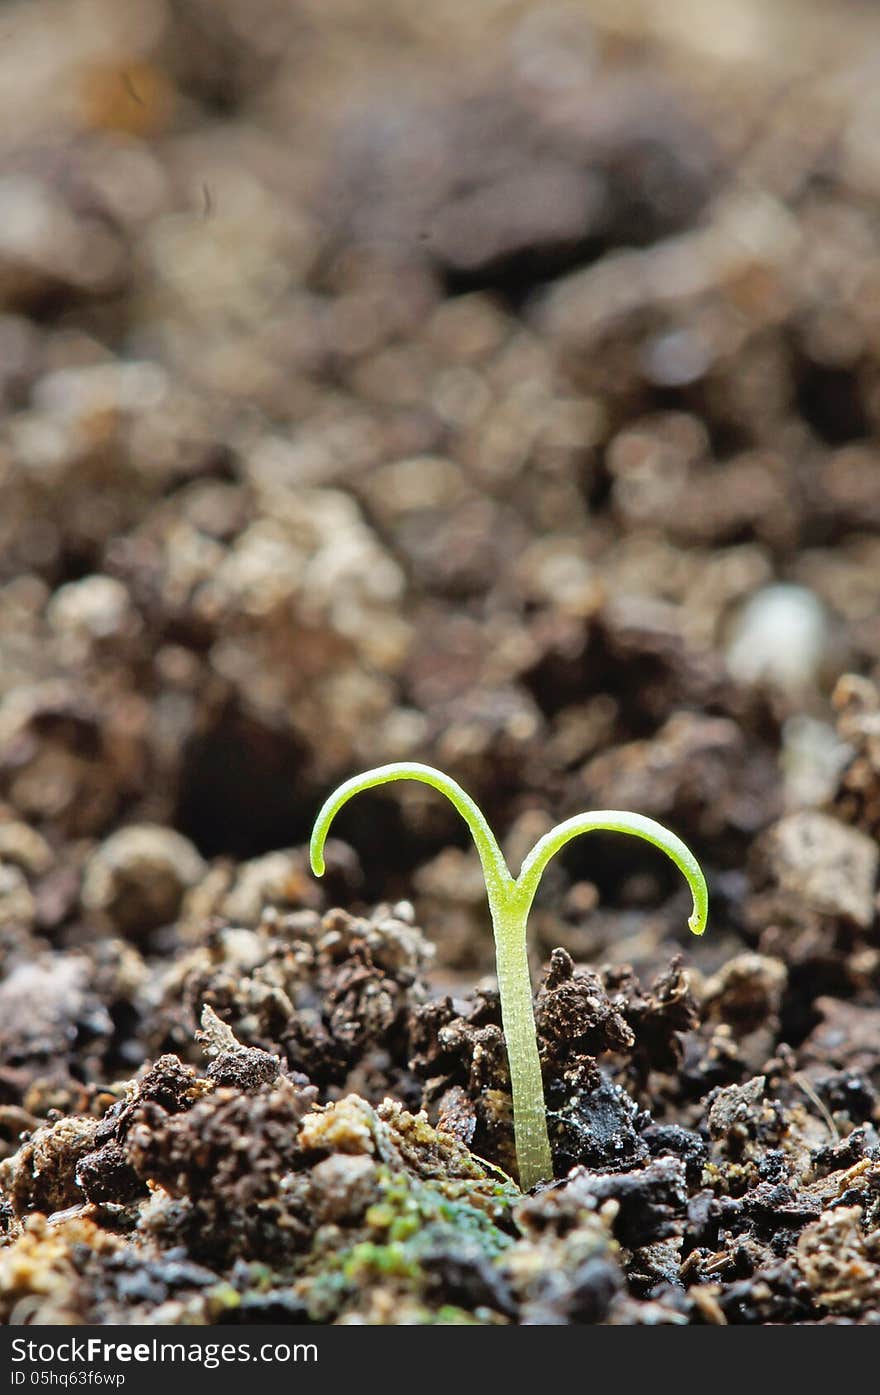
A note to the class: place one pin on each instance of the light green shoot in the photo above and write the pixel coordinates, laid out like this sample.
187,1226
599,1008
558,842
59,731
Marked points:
510,900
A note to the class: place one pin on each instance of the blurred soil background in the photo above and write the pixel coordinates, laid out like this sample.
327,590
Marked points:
457,386
495,386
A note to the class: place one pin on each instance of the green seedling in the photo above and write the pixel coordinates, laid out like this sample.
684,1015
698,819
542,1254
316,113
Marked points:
510,899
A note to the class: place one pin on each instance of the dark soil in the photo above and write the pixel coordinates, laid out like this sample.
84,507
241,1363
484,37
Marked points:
497,387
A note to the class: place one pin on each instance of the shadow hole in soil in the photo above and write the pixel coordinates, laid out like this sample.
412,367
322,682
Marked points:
806,983
74,563
561,679
241,789
514,279
596,483
830,400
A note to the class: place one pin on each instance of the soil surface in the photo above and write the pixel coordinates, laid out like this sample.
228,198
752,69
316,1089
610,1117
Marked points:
491,386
